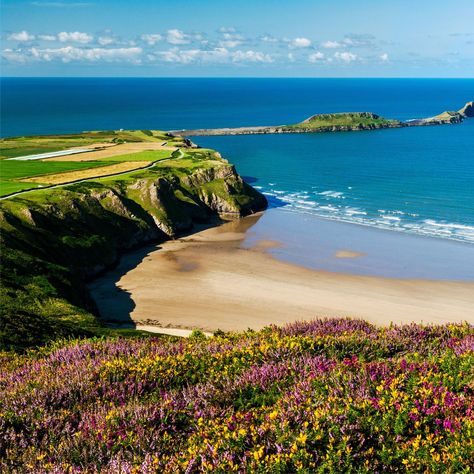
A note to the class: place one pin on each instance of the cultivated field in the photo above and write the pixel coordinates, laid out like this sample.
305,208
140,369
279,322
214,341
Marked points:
72,176
110,153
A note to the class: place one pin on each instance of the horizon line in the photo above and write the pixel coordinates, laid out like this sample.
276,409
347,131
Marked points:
236,77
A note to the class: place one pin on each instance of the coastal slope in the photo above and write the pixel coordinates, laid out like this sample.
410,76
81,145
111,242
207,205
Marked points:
55,239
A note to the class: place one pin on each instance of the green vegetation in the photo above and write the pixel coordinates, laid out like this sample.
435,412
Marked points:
148,155
22,146
10,187
11,170
352,120
54,239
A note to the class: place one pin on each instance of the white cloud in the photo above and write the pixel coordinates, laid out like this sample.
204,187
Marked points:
151,39
268,39
251,56
291,57
216,55
224,29
360,40
105,40
75,37
175,36
14,56
300,43
331,45
194,55
229,43
21,36
346,56
68,54
316,57
384,57
231,40
47,37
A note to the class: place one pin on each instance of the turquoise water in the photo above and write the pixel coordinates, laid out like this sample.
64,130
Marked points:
418,180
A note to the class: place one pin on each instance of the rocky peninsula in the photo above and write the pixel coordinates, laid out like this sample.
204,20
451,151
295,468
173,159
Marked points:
337,122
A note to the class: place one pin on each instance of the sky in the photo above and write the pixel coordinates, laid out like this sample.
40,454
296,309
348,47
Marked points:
238,38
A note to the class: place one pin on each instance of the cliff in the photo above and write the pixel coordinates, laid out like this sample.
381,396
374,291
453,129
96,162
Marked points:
55,239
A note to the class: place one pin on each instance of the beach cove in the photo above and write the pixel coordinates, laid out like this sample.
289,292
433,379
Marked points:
234,276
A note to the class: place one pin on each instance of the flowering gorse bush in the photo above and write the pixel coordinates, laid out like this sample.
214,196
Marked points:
334,395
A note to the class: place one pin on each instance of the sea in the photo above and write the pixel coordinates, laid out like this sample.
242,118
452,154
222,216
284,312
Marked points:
417,181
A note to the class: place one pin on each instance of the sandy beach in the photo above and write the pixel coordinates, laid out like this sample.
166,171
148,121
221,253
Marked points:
210,281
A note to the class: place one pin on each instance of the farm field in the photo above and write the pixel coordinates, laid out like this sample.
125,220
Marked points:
70,176
21,146
111,153
121,152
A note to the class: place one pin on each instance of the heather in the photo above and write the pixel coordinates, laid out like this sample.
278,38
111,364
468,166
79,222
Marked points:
333,395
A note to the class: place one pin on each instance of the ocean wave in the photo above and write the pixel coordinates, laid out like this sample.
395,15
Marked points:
332,194
384,219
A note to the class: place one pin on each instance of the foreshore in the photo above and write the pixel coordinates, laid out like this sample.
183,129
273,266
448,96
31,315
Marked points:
219,278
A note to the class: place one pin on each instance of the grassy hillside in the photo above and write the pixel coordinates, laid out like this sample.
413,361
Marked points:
53,239
349,120
333,396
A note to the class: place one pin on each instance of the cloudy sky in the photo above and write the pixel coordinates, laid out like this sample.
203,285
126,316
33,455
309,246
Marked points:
311,38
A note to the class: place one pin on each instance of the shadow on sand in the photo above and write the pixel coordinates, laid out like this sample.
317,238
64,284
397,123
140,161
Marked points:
115,304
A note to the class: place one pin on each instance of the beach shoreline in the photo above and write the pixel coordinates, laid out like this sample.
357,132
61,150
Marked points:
210,280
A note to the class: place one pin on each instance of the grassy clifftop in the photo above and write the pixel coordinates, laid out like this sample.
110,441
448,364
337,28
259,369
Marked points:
346,120
53,239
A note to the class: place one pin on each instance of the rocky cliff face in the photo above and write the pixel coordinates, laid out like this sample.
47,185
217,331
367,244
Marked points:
80,219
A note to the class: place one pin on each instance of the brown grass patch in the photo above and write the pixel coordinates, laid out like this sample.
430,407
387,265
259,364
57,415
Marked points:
70,176
113,150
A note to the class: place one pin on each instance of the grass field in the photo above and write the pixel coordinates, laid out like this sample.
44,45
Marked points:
110,168
21,146
10,187
13,170
149,155
128,153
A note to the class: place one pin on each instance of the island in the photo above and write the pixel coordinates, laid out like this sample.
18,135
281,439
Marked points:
337,122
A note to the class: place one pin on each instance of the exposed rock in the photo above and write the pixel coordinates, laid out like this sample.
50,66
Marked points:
467,110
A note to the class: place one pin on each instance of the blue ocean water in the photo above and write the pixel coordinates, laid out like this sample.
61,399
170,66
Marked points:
418,180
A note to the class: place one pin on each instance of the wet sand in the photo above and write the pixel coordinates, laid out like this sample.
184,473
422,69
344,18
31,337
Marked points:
211,281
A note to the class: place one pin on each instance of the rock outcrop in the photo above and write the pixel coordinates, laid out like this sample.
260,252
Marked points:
467,110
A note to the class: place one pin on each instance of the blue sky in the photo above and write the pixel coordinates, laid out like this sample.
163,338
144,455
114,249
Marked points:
318,38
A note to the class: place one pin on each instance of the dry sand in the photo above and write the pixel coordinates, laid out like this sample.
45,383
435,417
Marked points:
208,281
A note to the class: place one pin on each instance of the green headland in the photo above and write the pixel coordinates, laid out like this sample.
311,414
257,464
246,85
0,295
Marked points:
57,237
